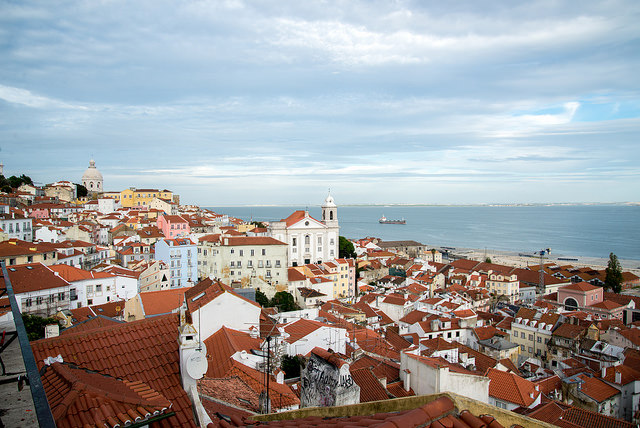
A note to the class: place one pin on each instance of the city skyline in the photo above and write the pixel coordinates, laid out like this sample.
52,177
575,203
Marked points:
234,103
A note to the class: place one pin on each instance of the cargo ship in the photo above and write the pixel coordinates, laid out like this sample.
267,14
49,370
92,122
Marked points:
384,220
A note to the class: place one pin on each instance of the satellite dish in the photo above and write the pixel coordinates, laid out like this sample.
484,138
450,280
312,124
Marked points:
197,365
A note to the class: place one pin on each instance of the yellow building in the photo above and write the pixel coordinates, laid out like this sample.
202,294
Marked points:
133,197
505,284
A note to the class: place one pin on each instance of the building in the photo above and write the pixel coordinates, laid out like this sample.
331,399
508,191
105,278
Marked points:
309,240
92,180
532,330
16,226
39,290
326,381
133,197
510,391
244,259
173,226
91,288
181,256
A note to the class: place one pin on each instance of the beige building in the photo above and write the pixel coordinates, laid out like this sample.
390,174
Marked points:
133,197
504,284
243,259
531,331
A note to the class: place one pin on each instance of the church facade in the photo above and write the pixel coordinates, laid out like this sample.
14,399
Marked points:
309,240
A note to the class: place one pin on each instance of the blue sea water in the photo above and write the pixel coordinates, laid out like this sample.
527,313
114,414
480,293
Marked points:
569,230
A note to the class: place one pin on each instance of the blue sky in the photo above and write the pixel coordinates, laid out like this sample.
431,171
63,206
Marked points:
234,102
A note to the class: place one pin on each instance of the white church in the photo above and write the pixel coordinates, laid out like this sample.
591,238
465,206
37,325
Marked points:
309,240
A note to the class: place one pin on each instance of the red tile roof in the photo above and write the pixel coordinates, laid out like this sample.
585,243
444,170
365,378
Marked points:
381,368
564,415
597,388
370,387
511,387
34,277
581,286
144,351
73,274
80,397
301,328
222,344
162,302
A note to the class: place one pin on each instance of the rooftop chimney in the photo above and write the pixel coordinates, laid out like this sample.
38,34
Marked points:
619,377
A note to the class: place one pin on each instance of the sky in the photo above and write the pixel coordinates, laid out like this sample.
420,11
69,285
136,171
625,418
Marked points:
241,103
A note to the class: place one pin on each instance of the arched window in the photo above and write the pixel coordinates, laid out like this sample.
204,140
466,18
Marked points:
91,185
570,304
306,240
330,215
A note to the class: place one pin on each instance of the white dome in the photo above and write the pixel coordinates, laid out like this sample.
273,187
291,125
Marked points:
92,173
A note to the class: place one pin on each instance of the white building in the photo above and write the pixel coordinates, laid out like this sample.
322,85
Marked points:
15,225
309,240
44,297
212,304
91,288
428,376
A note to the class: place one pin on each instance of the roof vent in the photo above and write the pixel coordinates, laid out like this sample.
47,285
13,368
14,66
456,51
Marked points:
30,267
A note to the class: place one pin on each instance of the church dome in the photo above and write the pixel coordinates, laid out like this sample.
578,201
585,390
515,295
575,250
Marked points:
92,173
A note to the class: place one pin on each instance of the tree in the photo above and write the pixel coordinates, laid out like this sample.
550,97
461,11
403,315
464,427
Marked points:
262,299
259,224
82,191
34,325
284,301
487,260
613,278
291,366
346,250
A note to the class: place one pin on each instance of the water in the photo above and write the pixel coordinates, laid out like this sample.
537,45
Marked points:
570,230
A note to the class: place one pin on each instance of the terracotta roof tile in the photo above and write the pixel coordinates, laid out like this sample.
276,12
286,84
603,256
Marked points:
145,351
370,387
511,387
162,302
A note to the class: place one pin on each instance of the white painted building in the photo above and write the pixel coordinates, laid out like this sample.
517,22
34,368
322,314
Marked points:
431,376
302,335
15,225
212,305
309,240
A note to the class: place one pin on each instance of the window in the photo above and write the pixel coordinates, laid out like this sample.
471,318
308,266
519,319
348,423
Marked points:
268,274
307,238
522,348
232,251
530,349
61,296
250,263
539,339
99,288
293,242
531,337
231,273
522,335
239,263
89,289
89,301
264,252
277,263
27,302
50,298
233,264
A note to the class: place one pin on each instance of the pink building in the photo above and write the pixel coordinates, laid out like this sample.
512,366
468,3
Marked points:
589,298
173,226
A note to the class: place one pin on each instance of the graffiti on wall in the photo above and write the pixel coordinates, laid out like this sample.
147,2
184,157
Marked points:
321,383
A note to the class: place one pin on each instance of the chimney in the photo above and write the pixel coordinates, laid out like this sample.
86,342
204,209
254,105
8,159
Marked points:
619,377
407,380
604,372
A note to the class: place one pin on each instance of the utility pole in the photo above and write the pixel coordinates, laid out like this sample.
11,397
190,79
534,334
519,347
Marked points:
541,271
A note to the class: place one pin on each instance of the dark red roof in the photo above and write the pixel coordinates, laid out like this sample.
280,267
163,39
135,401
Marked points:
79,397
144,351
370,387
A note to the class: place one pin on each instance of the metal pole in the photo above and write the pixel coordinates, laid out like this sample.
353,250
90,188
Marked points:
43,411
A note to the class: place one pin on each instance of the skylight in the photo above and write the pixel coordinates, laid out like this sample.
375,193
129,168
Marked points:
197,297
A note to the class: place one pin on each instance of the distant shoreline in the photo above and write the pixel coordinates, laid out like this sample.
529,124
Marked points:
540,204
512,258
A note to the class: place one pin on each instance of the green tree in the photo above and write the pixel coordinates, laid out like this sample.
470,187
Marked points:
487,260
259,224
82,191
291,366
613,278
262,299
346,249
34,325
284,301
